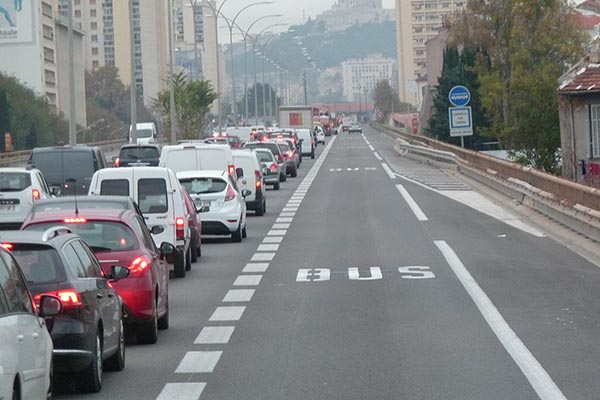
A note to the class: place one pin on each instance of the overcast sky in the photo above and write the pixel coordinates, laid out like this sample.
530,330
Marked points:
294,12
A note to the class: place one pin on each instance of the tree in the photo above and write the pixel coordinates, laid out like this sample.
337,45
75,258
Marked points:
386,100
258,92
524,46
4,117
192,102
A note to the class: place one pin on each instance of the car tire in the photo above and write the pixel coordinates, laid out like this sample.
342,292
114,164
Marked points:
91,377
179,264
245,232
163,322
117,361
283,177
194,252
276,186
188,259
236,236
148,332
312,155
50,391
260,211
294,173
199,251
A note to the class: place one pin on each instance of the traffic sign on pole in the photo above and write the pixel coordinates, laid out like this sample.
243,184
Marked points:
459,96
461,121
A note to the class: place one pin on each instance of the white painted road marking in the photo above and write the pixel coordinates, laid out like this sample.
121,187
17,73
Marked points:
227,314
215,335
412,204
238,295
539,379
182,391
416,272
247,280
284,219
198,362
313,275
268,247
277,232
273,239
281,226
287,214
262,257
256,267
388,171
375,272
377,156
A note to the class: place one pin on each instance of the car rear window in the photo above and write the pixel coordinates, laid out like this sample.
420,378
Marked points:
263,156
14,181
139,153
40,263
203,185
101,236
58,166
152,196
114,187
271,146
284,147
70,205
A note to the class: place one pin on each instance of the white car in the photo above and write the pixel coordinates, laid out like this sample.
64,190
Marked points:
217,196
25,344
320,136
250,177
19,189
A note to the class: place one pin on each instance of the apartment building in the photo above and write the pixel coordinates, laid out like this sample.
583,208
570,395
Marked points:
210,51
189,36
417,21
88,16
360,76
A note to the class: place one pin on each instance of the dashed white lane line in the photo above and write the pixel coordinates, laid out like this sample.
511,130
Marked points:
198,362
268,247
287,214
537,376
377,156
182,391
277,232
247,280
227,313
238,295
273,239
284,219
215,335
388,170
255,267
412,204
262,257
281,226
290,209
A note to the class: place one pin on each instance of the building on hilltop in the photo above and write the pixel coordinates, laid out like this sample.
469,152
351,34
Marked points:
346,13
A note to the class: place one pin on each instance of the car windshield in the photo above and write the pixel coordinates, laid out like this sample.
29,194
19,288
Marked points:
14,181
203,185
40,263
101,236
139,153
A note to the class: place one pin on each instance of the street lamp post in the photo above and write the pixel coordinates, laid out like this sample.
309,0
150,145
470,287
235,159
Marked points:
172,110
133,91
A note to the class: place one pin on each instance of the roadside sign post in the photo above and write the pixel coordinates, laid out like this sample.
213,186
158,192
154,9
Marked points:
461,118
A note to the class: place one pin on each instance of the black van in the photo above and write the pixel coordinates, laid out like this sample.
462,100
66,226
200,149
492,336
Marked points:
63,164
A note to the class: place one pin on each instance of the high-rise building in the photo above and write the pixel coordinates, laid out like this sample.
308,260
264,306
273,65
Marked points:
417,21
89,17
189,36
211,50
360,76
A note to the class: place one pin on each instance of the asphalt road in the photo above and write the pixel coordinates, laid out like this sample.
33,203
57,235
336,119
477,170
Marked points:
369,278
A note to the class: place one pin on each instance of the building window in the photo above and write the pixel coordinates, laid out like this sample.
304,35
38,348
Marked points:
77,13
95,64
94,51
93,13
595,131
94,26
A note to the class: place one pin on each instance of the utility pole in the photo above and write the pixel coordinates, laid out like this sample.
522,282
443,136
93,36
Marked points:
171,82
304,84
72,113
133,88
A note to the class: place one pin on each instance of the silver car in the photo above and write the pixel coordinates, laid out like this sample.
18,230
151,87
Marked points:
271,168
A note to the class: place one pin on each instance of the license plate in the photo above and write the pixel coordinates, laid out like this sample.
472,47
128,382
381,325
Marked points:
203,203
8,207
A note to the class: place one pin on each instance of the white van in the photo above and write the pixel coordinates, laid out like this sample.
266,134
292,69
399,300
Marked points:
250,177
308,142
145,132
243,132
197,157
158,194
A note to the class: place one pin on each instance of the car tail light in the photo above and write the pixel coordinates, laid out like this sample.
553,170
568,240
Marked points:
179,227
76,220
69,298
290,154
7,246
264,139
231,169
258,178
230,195
35,195
117,162
273,167
279,158
138,265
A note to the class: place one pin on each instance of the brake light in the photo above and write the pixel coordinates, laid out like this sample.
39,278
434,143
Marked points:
230,195
231,169
138,265
179,227
7,246
264,139
76,220
258,180
290,154
35,195
117,162
273,167
69,298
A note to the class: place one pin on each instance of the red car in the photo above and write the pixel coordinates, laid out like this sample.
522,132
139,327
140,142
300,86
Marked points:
120,237
195,224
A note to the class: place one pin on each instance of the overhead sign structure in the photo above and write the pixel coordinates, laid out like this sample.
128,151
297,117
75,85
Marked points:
461,121
459,96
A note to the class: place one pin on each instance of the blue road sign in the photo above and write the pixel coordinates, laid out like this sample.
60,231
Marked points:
459,96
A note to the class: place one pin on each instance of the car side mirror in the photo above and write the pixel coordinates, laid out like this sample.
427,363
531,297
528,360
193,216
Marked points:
246,193
166,248
157,229
49,306
55,191
203,209
118,272
239,172
266,171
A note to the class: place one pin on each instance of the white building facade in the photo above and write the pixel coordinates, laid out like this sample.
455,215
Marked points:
346,13
360,76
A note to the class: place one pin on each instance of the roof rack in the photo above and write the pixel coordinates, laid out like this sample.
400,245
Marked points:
55,231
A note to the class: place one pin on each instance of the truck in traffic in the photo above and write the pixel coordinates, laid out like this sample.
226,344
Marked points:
296,117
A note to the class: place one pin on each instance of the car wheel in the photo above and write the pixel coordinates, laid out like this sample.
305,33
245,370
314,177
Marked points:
199,251
283,177
163,322
236,236
294,173
312,155
92,375
15,392
50,391
117,361
260,211
179,264
188,259
148,332
194,252
276,186
244,232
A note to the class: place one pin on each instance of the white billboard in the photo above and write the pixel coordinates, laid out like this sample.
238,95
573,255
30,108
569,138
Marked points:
16,21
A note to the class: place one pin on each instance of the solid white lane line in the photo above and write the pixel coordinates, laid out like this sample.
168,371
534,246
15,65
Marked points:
227,314
268,247
273,239
287,214
182,391
215,335
388,171
280,226
377,156
412,204
277,232
198,362
262,257
247,280
284,220
255,267
238,295
539,379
